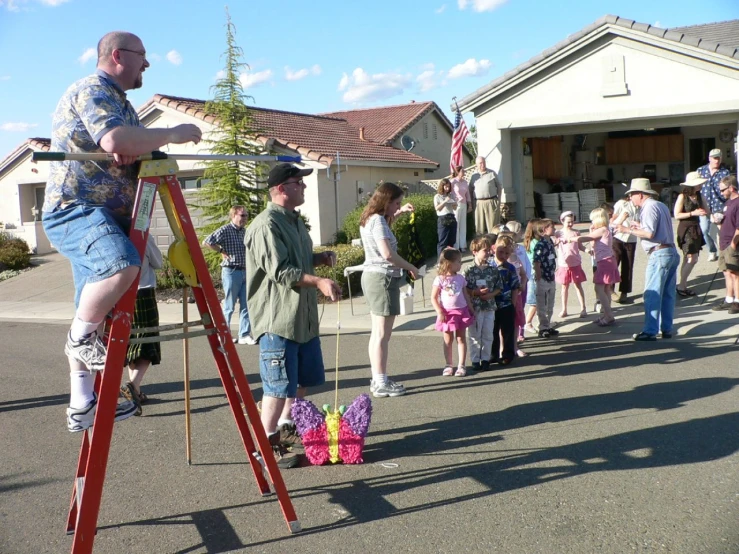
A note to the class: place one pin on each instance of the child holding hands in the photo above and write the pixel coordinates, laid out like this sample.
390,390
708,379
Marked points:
569,263
451,300
606,273
483,284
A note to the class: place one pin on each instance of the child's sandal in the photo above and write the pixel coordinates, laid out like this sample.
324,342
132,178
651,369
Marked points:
584,313
461,372
448,371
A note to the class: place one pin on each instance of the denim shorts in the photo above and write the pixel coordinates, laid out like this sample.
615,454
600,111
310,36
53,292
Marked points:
94,240
285,365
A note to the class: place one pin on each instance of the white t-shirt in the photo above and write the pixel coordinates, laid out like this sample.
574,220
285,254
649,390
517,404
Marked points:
374,230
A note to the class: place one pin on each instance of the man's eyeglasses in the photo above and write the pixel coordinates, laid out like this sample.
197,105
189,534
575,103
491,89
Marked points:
723,189
139,52
300,183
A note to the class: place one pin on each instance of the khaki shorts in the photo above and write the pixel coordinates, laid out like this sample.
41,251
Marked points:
382,293
728,260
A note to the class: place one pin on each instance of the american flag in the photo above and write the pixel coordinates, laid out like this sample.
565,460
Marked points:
458,138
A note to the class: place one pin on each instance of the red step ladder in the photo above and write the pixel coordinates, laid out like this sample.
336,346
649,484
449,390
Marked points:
158,174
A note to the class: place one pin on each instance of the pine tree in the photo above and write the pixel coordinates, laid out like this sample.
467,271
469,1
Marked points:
230,182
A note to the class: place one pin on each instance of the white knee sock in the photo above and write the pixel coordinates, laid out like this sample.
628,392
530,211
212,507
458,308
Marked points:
81,329
82,385
729,299
283,421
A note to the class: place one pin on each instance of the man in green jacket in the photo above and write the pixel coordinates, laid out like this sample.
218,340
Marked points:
281,291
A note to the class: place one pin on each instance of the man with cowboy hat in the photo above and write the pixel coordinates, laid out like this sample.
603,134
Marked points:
713,173
658,240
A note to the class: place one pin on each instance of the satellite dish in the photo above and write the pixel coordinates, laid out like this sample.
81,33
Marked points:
407,142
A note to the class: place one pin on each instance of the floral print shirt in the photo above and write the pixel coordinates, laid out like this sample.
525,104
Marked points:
545,255
88,110
710,190
478,277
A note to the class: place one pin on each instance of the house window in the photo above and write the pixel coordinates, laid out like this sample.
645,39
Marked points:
192,183
433,130
425,130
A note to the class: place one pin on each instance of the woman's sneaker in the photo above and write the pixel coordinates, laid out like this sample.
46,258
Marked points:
81,419
88,350
389,388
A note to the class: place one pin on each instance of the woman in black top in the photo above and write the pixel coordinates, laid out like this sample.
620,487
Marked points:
689,206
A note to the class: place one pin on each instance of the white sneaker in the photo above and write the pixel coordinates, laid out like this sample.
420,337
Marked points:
712,257
247,339
89,350
82,419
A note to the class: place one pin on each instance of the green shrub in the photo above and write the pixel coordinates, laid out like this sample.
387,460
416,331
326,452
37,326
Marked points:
346,256
14,253
425,225
168,277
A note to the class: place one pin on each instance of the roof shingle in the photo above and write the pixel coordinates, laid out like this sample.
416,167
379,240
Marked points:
721,37
316,137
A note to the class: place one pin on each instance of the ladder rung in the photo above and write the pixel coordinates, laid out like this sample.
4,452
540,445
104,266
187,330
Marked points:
171,327
163,338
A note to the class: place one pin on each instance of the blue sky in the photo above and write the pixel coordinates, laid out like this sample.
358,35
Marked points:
305,56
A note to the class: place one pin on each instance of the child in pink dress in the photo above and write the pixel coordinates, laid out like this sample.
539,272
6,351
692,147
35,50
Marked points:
569,263
452,303
606,272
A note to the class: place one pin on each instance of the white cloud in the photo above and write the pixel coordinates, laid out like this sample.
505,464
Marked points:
174,57
249,80
17,126
291,75
220,75
4,77
442,9
427,79
481,5
470,68
87,55
363,87
15,5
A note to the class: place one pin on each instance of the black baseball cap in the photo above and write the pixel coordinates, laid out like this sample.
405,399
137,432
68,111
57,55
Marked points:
282,172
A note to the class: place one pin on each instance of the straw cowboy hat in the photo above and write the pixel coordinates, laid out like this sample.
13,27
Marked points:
693,179
641,185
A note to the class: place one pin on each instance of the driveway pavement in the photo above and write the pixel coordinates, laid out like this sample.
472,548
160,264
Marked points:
593,443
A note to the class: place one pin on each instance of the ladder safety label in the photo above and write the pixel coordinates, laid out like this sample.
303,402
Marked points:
147,200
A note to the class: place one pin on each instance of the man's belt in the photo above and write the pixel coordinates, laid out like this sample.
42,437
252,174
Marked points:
239,267
660,247
488,198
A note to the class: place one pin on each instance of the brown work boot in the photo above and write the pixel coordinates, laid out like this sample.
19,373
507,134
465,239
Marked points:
283,456
290,439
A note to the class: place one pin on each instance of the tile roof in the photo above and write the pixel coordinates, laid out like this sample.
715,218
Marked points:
705,37
388,123
35,142
725,33
316,137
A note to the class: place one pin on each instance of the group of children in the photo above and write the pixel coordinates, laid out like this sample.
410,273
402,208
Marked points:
487,300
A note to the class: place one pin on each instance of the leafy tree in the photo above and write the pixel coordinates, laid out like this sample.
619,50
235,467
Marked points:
230,182
471,141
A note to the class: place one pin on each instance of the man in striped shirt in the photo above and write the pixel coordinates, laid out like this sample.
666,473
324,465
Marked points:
228,241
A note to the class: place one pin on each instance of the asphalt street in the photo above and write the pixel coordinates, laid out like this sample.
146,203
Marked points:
593,443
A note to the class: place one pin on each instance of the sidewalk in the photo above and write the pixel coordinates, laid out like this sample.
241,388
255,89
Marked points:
45,293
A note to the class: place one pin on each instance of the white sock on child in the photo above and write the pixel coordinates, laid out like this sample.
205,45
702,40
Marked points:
729,299
282,422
